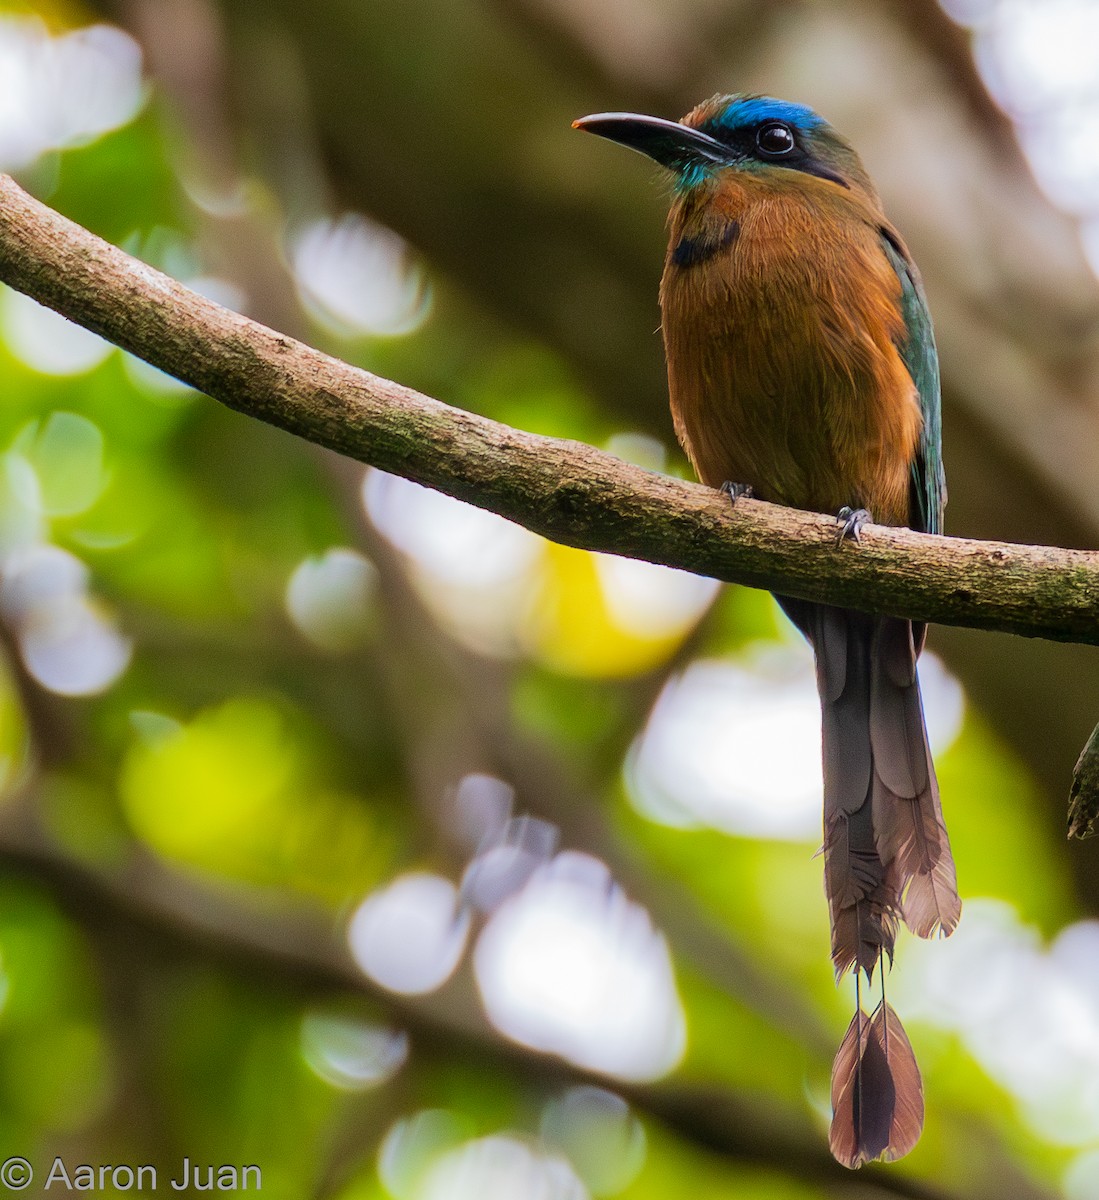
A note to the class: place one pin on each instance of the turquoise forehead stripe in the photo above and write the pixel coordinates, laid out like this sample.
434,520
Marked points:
746,113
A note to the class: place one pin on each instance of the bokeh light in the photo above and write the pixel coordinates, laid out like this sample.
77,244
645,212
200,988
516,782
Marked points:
238,790
58,91
507,859
358,277
1081,1180
481,805
70,647
504,590
329,597
350,1053
156,384
500,1168
410,935
189,789
412,1144
63,472
649,600
570,966
734,744
45,341
239,771
595,1130
22,522
1029,1014
37,578
471,567
1040,61
67,642
428,1157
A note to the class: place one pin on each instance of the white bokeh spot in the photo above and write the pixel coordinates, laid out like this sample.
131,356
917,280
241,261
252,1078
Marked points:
570,966
351,1054
500,1168
60,91
329,598
649,600
734,744
1039,60
47,342
474,570
357,277
409,936
1029,1014
67,642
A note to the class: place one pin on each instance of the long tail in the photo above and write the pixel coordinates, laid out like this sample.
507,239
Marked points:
877,1095
886,856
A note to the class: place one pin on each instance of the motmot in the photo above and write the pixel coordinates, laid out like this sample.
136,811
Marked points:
802,370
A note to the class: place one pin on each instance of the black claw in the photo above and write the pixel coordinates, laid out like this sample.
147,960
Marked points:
852,520
735,491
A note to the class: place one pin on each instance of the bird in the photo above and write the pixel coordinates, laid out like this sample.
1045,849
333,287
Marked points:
802,370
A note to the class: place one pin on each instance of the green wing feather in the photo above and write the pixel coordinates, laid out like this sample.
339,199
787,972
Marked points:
927,488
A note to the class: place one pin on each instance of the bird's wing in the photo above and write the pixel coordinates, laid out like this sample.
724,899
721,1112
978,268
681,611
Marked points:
927,487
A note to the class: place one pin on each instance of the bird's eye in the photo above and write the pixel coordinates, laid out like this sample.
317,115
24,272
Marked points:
775,139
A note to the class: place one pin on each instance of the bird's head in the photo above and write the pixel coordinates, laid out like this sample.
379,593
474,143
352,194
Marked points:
744,133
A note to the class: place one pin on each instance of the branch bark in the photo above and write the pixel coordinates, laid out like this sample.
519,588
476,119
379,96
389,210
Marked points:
564,490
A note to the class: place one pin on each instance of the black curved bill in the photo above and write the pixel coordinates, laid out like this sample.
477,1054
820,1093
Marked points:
670,143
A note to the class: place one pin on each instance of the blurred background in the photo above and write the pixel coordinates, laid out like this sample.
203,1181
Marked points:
357,834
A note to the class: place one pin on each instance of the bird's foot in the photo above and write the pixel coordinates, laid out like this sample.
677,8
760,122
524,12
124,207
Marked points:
735,491
851,521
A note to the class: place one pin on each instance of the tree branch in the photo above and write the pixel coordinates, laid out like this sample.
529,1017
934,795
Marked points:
566,491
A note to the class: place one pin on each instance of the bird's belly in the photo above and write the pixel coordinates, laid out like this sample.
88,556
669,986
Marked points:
788,388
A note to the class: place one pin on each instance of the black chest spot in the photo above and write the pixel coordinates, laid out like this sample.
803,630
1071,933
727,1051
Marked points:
690,251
